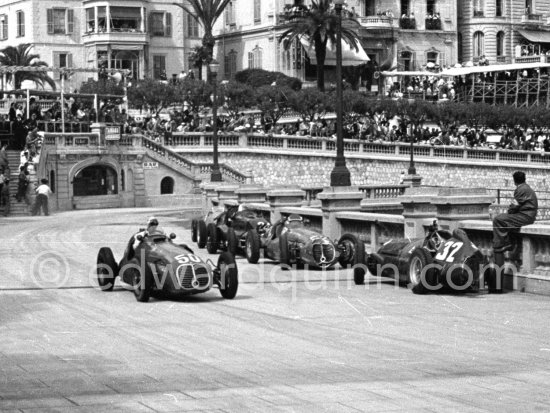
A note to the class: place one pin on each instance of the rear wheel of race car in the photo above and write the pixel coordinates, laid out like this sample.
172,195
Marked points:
202,233
232,241
229,275
142,281
212,239
285,253
107,269
252,249
194,229
420,277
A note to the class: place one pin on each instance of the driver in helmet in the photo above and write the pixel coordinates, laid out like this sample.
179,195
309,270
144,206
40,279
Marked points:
152,229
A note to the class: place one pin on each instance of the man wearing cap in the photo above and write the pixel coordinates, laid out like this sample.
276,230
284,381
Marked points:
43,193
522,211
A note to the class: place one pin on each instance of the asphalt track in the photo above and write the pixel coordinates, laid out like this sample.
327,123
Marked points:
291,341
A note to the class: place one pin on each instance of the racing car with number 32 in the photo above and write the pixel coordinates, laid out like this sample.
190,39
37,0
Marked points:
158,264
439,259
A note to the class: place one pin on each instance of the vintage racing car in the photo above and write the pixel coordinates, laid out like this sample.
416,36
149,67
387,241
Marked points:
439,259
228,230
289,242
159,264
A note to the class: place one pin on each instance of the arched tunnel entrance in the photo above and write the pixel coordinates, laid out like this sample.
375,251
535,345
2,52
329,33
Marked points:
95,180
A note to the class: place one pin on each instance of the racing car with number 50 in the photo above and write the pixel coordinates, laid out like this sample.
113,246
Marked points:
153,263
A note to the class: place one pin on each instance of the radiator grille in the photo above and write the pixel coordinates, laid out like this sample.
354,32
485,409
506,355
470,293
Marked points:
186,272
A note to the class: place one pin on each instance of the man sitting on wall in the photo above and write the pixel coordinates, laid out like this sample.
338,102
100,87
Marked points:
522,211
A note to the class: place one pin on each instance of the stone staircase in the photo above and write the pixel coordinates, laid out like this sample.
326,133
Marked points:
17,208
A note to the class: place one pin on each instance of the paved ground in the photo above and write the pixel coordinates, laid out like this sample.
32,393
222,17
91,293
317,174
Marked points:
288,343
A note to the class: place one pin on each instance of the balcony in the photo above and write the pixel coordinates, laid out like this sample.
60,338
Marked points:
407,23
433,23
530,18
119,36
376,22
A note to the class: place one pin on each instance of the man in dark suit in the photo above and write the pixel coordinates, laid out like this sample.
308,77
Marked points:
522,211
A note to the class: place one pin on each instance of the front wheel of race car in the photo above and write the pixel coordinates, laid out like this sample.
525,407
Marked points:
421,277
352,250
194,230
229,275
142,281
107,269
252,248
212,239
232,241
202,233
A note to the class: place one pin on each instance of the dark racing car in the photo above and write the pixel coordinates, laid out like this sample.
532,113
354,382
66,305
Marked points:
153,263
228,231
439,259
290,242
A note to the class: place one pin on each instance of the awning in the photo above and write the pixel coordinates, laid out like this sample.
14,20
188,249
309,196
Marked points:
536,36
350,56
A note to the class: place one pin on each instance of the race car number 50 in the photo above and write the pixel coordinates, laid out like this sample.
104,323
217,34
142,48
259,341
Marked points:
449,250
187,258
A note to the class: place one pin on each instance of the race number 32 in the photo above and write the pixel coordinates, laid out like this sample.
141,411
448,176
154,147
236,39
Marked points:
449,250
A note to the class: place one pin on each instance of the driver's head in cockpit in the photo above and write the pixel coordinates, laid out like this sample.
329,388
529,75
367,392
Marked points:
152,226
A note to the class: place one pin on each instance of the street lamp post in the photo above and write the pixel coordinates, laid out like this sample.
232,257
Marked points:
340,175
216,175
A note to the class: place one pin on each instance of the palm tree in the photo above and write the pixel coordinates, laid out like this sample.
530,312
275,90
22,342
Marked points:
206,12
198,57
318,24
21,56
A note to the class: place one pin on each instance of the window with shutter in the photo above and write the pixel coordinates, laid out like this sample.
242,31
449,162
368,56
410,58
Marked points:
4,26
70,21
257,11
49,13
168,28
20,24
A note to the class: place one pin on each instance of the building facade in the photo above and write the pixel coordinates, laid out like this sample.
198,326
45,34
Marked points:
150,38
515,31
404,34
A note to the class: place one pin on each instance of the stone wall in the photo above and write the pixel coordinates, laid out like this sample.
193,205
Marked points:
306,170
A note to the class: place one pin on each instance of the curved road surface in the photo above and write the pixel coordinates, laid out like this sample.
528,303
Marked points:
294,341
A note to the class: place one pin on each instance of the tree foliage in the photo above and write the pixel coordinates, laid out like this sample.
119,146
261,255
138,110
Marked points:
273,102
153,94
102,87
309,103
21,55
261,77
237,96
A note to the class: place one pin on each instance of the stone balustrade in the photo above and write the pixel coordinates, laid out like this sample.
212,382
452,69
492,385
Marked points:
342,211
293,144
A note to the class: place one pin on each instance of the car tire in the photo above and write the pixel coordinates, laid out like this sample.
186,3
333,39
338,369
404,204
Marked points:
229,275
354,251
212,239
232,241
194,229
285,253
202,234
142,283
107,269
420,277
252,248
